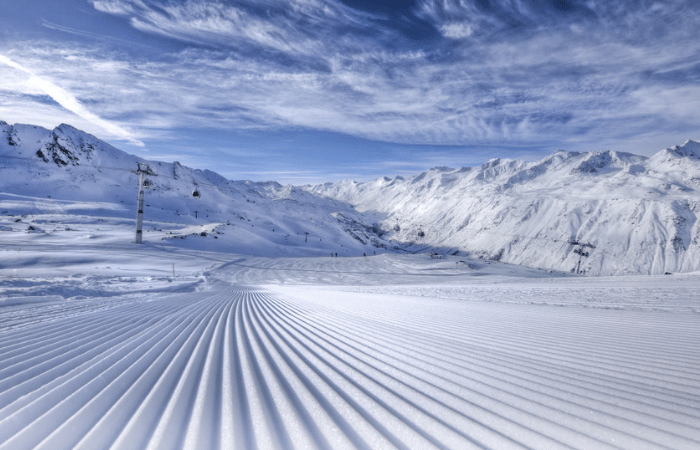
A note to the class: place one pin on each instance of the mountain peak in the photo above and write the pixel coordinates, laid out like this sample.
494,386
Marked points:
677,155
441,169
565,153
594,162
689,148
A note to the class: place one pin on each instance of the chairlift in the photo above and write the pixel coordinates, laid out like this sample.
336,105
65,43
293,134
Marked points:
147,184
196,194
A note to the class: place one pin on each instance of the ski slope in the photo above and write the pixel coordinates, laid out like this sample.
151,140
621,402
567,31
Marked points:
234,327
489,356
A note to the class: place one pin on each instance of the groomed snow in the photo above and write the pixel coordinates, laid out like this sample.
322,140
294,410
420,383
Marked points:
101,347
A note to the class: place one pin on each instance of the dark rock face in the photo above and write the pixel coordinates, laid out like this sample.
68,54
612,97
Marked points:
689,149
57,153
63,150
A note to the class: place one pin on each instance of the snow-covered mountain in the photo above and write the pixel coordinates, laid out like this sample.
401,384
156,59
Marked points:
597,213
257,218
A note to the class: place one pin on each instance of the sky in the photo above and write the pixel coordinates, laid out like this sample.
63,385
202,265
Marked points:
310,91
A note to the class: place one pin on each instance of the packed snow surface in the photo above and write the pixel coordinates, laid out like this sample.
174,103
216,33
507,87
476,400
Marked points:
107,344
232,326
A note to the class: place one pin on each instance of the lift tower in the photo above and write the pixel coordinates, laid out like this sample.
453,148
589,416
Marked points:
141,171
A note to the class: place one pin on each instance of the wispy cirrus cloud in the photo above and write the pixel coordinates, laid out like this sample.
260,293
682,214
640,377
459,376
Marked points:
506,70
290,26
553,74
70,102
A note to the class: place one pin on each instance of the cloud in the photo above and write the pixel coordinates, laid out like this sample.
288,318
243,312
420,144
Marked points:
117,7
561,58
272,26
68,101
457,30
501,71
90,35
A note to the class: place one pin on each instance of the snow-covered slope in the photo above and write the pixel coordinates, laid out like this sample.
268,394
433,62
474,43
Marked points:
53,166
597,213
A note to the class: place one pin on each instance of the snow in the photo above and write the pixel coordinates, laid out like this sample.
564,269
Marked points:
78,174
639,214
100,346
252,338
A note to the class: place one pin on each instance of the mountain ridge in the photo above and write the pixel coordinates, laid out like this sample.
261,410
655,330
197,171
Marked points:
635,214
598,213
268,218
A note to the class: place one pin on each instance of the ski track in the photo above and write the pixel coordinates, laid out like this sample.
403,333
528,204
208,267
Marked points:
240,367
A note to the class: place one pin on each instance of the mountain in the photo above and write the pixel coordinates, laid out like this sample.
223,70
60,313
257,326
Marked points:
66,164
598,213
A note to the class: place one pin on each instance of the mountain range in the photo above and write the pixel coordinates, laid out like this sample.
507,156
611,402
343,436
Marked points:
597,213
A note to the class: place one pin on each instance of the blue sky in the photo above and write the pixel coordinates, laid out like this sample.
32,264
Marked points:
319,90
